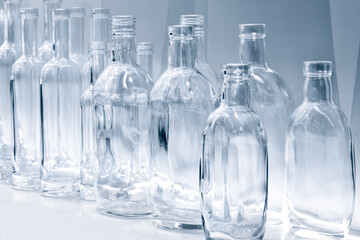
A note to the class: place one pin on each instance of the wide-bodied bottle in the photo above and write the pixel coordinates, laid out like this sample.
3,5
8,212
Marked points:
61,88
121,96
320,157
27,112
10,51
181,102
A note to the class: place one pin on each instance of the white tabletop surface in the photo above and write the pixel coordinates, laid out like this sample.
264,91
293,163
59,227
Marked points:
27,215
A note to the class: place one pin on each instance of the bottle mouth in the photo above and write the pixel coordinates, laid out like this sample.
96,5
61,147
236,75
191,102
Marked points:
145,47
181,32
77,12
100,12
252,31
60,13
197,21
123,25
52,1
235,70
317,68
97,46
29,12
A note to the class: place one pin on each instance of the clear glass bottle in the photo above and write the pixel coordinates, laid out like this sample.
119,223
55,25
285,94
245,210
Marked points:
46,49
27,113
144,54
77,32
2,21
233,166
272,102
61,115
121,96
320,158
98,62
197,21
100,25
10,50
181,102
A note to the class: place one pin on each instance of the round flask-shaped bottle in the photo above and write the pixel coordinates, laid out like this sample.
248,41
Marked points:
320,185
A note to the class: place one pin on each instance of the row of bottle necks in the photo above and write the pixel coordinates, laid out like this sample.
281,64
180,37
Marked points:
134,138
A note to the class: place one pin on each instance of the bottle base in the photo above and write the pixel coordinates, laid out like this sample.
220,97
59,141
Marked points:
26,183
123,213
87,193
177,226
274,219
59,189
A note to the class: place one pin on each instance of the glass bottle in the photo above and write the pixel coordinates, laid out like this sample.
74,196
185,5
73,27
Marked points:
272,102
46,49
2,20
144,54
197,21
320,158
98,62
181,101
100,25
27,113
77,32
10,50
233,166
61,115
121,96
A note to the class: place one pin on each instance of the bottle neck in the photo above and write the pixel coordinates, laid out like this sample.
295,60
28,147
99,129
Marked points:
253,51
125,50
77,25
98,64
29,37
1,5
199,48
145,61
237,93
61,37
100,29
318,89
181,54
48,6
12,32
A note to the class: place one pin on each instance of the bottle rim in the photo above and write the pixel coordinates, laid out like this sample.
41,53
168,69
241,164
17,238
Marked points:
52,1
123,25
235,69
196,20
77,12
29,12
253,30
96,46
145,47
181,32
317,68
60,13
100,12
12,1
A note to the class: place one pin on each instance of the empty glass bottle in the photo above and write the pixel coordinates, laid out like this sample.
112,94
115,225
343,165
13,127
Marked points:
181,101
61,115
10,50
121,96
2,20
46,50
98,62
100,25
77,32
27,114
197,21
233,166
272,102
320,158
144,54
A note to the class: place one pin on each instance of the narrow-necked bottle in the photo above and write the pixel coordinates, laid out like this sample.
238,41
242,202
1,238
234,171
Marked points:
77,32
100,25
201,65
2,21
121,96
272,102
10,51
144,54
61,115
181,101
46,50
98,62
233,166
320,158
27,113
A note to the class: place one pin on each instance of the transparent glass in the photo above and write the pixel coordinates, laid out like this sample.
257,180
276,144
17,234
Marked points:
46,50
61,115
27,113
2,21
144,55
98,62
271,100
77,33
100,25
121,96
320,159
181,101
233,166
201,65
10,50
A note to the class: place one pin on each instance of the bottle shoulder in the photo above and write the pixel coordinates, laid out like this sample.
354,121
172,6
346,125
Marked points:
7,53
205,69
88,95
61,69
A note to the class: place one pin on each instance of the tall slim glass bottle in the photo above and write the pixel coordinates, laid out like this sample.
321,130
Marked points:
144,54
2,21
320,159
27,115
272,102
46,50
121,96
98,62
100,25
61,115
77,32
233,166
181,101
201,65
10,50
